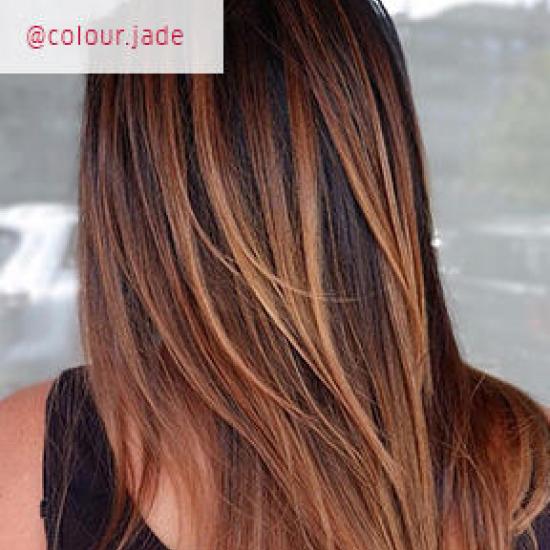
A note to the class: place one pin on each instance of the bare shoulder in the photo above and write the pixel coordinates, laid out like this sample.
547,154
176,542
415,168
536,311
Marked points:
22,419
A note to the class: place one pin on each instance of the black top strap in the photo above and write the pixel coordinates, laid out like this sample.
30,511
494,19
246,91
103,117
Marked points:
77,471
541,528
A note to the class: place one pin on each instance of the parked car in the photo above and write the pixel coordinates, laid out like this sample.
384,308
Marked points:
38,289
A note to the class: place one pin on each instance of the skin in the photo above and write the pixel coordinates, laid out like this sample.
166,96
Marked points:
21,446
22,419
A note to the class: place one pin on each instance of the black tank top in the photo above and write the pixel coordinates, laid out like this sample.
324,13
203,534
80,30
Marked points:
78,475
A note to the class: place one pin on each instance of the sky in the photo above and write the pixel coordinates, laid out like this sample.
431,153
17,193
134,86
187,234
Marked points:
425,8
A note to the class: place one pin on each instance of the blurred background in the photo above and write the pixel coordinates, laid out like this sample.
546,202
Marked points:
481,76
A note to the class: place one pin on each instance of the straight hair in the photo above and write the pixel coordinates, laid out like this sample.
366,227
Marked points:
262,311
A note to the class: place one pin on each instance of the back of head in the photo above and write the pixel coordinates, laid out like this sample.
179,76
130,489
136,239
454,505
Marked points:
261,303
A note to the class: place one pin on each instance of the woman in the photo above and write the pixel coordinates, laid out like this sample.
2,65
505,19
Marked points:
271,363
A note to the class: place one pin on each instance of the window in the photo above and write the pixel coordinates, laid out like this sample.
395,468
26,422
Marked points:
481,80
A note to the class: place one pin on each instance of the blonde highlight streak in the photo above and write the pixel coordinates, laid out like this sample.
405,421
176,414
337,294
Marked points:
306,179
406,234
302,124
281,240
220,204
412,299
400,232
314,361
408,280
359,172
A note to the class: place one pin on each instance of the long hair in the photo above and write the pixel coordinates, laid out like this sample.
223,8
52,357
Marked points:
261,306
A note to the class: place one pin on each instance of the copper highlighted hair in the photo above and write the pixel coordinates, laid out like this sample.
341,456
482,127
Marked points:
262,310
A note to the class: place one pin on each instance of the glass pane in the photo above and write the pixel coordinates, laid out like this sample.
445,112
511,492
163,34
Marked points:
39,124
481,78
